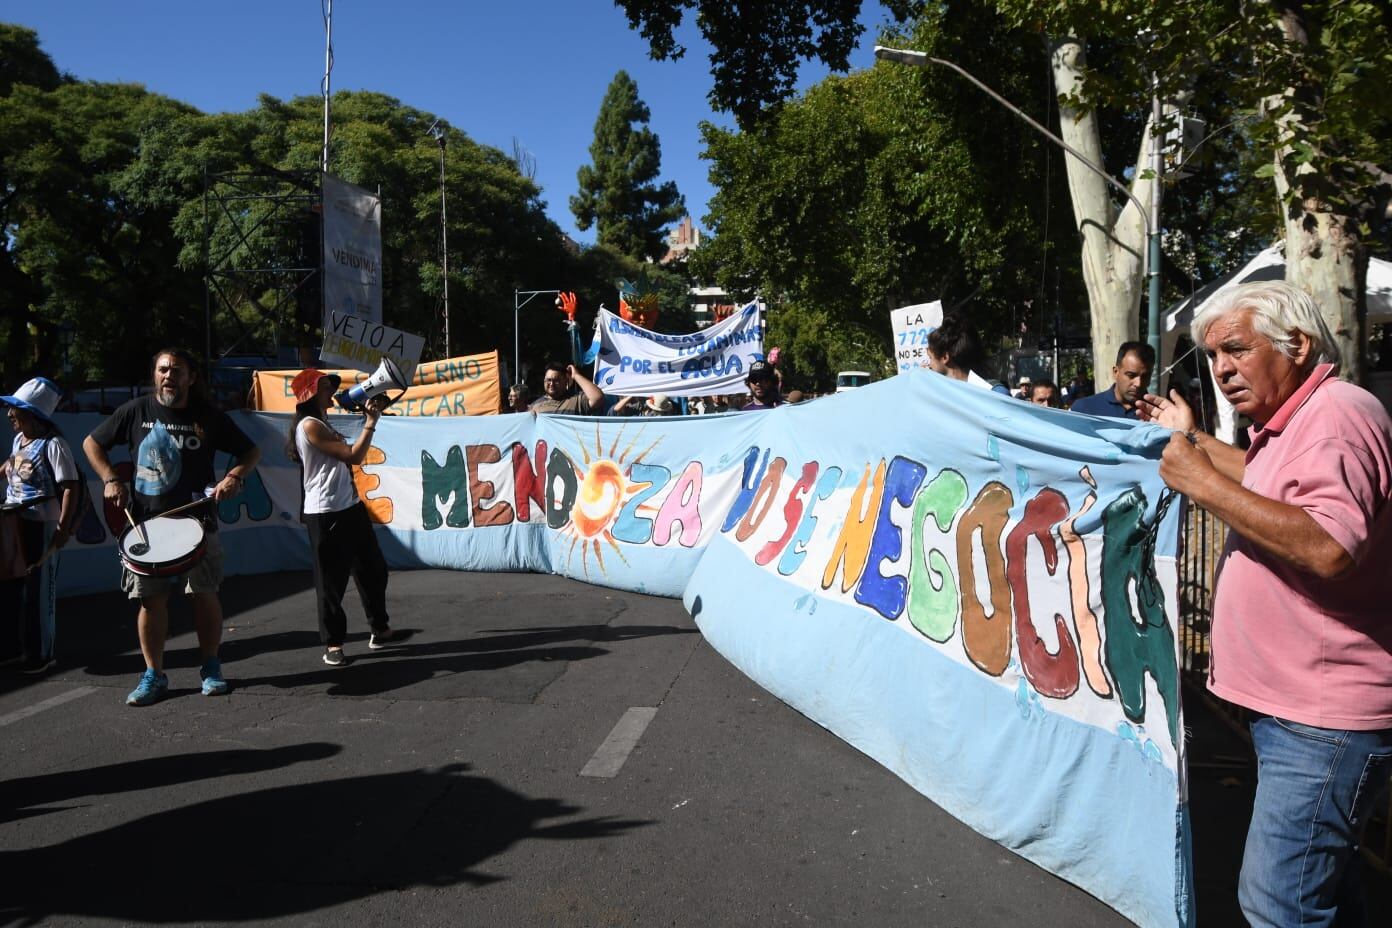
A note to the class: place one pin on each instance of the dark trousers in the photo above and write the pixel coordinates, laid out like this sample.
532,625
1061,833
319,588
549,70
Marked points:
342,543
31,598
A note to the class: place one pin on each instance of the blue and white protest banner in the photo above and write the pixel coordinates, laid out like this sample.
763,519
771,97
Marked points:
978,593
635,362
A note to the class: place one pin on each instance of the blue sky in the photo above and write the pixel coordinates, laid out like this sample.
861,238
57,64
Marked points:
534,70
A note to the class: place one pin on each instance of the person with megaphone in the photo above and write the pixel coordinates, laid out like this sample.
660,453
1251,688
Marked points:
341,540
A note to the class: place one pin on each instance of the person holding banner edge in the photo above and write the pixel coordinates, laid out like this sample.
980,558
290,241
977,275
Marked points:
1301,634
341,540
173,435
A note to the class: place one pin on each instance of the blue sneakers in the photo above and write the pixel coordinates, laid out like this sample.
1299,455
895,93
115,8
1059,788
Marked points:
152,688
213,682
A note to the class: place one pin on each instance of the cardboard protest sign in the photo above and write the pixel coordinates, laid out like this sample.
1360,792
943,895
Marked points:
912,325
358,343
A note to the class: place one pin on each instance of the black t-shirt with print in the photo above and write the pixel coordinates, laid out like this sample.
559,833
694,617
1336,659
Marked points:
173,451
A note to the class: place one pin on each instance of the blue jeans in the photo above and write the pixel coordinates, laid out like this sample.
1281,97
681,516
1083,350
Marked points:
1315,788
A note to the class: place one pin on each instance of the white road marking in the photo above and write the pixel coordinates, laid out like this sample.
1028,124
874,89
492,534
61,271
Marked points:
49,703
610,757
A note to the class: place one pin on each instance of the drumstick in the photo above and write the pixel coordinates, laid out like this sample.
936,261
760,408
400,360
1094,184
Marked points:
139,528
186,506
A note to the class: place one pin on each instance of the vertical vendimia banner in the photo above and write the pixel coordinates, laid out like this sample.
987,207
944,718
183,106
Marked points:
352,251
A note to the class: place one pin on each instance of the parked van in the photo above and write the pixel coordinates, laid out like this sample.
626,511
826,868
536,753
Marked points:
849,380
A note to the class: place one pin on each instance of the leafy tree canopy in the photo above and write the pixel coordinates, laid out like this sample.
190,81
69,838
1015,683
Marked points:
890,187
757,45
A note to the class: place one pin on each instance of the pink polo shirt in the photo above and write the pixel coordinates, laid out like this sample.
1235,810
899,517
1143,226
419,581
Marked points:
1285,642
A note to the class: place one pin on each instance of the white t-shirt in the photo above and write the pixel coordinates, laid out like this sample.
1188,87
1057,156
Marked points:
21,482
328,482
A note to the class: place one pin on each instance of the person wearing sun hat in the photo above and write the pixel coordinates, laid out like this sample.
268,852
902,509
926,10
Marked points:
41,497
659,405
341,541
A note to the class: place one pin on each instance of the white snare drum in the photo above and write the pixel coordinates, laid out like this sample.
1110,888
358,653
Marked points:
176,544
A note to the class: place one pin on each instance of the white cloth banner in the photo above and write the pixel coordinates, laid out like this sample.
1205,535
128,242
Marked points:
352,251
635,362
912,326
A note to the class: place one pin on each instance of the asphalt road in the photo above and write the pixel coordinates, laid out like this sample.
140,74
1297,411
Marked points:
441,782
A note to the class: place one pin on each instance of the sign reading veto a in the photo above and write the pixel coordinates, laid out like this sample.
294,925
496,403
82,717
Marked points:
463,386
360,344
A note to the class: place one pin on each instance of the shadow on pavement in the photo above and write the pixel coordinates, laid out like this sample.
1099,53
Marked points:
26,797
411,663
289,850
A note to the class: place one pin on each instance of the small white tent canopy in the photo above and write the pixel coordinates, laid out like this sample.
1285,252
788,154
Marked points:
1269,265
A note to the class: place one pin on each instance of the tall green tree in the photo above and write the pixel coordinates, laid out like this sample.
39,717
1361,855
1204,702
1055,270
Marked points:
618,189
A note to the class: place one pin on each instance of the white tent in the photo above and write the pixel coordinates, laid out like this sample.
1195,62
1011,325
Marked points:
1269,265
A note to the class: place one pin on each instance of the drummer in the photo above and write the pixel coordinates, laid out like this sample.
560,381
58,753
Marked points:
173,436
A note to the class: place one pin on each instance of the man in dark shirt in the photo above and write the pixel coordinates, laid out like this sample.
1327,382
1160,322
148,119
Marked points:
762,381
173,435
1131,376
568,392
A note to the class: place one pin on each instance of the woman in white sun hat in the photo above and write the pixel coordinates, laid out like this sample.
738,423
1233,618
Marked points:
41,509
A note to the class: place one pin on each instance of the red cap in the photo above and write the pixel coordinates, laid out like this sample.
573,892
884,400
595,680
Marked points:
306,383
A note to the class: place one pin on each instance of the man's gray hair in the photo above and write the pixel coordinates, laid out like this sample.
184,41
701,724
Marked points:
1278,310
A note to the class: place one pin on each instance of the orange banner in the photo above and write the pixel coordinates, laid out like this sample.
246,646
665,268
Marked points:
463,386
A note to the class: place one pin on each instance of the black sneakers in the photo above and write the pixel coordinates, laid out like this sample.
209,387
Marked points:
335,657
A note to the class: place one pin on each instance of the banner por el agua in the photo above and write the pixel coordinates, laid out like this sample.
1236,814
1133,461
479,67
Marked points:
635,362
352,251
979,593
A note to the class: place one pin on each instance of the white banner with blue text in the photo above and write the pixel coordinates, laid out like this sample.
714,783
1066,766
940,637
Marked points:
635,362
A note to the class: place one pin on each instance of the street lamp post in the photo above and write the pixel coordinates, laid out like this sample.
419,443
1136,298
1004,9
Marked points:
517,303
1150,258
437,132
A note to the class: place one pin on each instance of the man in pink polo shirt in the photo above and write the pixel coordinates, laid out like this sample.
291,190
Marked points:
1302,631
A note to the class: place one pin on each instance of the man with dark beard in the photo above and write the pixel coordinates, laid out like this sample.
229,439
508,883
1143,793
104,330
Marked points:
173,435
